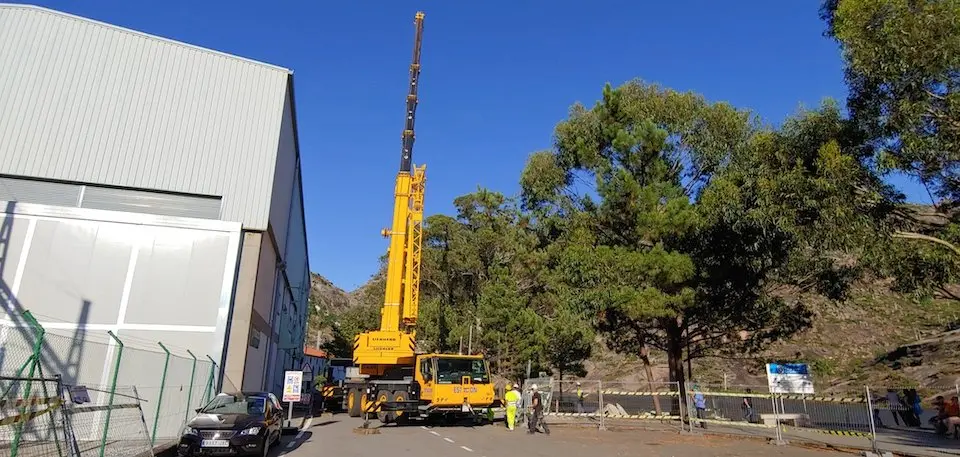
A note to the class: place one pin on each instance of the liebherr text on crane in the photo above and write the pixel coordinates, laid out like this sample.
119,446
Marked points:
390,376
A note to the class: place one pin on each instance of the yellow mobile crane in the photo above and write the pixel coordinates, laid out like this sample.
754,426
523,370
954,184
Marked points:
389,376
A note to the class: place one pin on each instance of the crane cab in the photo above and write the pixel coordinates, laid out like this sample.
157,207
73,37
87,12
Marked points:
454,383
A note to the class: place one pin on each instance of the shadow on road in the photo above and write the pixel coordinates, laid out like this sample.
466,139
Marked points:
287,446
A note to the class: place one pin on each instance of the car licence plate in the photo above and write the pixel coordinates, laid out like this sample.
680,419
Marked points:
215,443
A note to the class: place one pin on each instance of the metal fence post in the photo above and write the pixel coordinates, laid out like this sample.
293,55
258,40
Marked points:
209,393
163,383
113,390
682,406
873,427
776,416
600,401
33,362
193,371
66,420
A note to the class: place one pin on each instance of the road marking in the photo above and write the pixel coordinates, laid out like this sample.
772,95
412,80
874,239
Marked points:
424,427
435,433
448,440
466,449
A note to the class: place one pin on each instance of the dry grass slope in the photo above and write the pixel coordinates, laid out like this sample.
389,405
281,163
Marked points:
878,338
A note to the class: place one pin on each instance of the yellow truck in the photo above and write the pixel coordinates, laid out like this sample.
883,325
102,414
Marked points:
390,378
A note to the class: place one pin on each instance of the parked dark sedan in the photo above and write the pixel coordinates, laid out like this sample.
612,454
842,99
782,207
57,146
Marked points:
241,423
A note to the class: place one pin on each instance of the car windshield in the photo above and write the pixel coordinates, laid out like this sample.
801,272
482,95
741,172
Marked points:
236,404
452,370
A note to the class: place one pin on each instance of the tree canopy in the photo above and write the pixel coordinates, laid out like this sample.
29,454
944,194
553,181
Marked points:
660,220
902,65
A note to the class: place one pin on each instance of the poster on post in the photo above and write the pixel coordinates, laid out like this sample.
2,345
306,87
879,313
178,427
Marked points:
789,378
292,386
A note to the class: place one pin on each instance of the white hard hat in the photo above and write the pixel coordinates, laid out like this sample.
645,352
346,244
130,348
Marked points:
516,386
578,383
533,387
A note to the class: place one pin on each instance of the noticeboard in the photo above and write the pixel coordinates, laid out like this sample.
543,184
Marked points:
292,385
789,378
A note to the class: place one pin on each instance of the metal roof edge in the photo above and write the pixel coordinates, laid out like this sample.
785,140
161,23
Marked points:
43,9
299,168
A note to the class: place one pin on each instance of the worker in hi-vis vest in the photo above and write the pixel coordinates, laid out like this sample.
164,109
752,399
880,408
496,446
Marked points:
512,398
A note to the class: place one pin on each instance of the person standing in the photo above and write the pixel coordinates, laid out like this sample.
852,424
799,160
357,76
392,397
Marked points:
512,398
580,396
893,402
700,403
536,409
916,410
747,406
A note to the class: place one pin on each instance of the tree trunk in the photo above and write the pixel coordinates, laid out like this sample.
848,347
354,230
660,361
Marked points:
675,358
689,359
559,388
442,326
645,358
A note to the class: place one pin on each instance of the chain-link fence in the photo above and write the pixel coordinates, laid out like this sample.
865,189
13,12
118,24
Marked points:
892,419
626,401
601,404
32,418
96,393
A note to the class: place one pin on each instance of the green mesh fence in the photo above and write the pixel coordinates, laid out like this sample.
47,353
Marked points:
32,418
95,394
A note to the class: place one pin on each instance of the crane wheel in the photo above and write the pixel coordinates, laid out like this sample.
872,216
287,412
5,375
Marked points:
353,402
384,416
400,395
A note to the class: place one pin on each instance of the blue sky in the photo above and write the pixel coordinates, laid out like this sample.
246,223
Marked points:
497,76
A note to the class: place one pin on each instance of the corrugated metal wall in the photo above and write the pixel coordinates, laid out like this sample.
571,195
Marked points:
88,102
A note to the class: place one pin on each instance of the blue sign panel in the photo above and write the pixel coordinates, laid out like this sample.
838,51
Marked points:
789,378
789,368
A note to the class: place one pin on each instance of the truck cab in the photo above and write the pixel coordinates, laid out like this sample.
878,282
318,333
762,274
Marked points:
454,382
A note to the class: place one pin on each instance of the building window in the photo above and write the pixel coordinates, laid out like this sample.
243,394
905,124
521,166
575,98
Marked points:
80,195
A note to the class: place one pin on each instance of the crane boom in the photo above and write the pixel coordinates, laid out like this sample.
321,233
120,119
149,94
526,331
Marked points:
395,341
395,314
406,156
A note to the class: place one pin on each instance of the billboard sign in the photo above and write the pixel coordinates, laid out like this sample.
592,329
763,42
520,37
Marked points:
789,378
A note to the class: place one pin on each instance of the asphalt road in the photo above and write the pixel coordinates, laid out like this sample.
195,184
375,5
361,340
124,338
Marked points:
335,436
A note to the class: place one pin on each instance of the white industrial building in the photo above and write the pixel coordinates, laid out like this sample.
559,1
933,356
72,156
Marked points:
152,188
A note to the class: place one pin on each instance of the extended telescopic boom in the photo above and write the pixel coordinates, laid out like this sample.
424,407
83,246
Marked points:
401,297
406,156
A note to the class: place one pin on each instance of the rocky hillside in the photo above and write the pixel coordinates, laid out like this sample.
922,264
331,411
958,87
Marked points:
326,302
326,297
878,337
